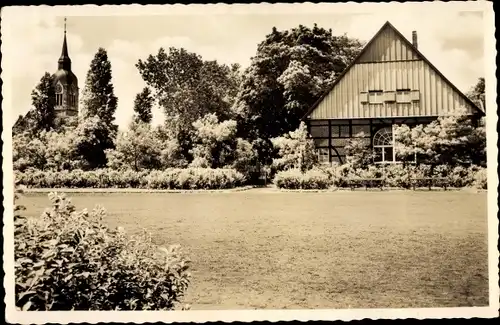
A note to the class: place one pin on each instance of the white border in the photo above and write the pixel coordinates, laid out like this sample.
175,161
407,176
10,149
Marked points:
14,316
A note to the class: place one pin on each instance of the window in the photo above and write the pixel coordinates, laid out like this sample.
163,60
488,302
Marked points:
59,99
363,98
340,131
319,131
376,97
358,129
323,156
321,142
383,145
415,95
403,96
344,131
390,96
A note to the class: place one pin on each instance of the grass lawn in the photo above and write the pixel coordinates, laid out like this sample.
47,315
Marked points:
261,249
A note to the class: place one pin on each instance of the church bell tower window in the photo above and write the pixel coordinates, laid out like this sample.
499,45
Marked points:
59,94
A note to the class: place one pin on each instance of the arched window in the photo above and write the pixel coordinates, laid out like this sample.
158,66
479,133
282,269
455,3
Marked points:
59,94
383,145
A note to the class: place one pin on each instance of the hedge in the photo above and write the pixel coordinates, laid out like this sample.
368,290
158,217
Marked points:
392,176
295,179
174,178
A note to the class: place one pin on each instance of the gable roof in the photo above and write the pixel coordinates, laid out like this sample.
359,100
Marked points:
408,44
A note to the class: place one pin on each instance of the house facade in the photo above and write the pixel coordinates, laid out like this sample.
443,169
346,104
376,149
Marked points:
389,83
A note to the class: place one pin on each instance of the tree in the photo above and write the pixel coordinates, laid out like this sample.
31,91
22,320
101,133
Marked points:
188,88
137,148
358,152
290,71
92,138
295,150
477,94
142,106
28,152
43,99
98,107
24,123
215,142
98,95
449,140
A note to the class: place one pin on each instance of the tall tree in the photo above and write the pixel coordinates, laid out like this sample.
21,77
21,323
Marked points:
289,72
98,95
97,131
43,99
188,88
143,104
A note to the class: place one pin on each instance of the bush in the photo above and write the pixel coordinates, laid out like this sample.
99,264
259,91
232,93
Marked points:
173,178
69,260
295,179
481,179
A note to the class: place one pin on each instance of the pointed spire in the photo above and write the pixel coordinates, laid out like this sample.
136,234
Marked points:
64,60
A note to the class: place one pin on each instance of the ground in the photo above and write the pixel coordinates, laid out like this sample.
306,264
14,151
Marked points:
265,249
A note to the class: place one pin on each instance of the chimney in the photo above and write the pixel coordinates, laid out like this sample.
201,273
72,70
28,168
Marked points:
414,39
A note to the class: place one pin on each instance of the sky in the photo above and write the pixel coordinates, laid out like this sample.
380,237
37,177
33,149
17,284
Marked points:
451,37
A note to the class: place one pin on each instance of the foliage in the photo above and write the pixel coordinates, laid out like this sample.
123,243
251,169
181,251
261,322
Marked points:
97,131
187,87
143,104
295,150
50,150
98,95
289,72
171,178
246,159
92,137
137,148
481,179
450,140
477,94
358,152
68,260
296,179
214,142
42,115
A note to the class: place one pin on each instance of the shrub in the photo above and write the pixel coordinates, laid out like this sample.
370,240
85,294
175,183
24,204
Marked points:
315,179
172,178
481,179
288,179
295,179
68,260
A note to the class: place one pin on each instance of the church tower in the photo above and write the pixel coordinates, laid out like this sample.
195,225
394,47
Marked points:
65,84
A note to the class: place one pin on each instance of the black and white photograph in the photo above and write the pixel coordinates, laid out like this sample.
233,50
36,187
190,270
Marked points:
241,162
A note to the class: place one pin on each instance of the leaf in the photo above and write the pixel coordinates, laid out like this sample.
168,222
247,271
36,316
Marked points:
31,292
27,306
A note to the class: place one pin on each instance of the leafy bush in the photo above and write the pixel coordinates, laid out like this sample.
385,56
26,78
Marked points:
481,179
173,178
295,179
68,260
295,149
288,179
315,179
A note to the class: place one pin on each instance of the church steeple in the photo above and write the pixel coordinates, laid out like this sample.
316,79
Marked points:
66,84
64,62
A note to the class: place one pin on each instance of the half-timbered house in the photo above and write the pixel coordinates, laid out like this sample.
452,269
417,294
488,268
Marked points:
389,83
